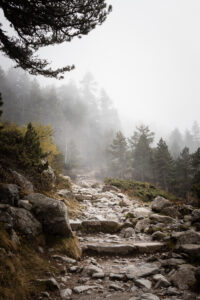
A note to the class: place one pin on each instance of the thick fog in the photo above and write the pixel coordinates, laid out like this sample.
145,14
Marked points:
146,56
140,67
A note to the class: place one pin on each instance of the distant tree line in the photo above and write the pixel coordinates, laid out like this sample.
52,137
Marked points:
138,159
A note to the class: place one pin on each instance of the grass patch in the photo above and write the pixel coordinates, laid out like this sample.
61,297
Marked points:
142,190
67,246
20,265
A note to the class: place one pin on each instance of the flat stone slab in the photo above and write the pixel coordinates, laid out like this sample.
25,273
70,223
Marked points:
192,249
101,226
124,249
75,225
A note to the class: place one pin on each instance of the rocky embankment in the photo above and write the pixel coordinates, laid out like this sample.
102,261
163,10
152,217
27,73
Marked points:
130,250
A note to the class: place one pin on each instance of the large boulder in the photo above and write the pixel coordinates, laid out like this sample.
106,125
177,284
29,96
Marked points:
9,194
159,203
171,211
184,277
192,250
24,222
23,182
186,237
20,219
195,218
51,213
155,218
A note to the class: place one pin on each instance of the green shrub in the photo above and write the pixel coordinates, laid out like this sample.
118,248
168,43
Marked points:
143,190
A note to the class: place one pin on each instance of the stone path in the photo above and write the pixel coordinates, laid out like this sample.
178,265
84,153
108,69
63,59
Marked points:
121,261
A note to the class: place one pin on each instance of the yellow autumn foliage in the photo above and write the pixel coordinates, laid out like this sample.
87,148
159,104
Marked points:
45,133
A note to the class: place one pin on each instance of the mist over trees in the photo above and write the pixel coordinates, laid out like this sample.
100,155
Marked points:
86,128
83,117
173,169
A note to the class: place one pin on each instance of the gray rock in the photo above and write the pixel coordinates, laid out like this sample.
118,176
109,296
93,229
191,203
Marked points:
161,281
155,218
191,249
52,214
90,270
141,212
124,249
25,204
23,182
171,211
114,276
101,226
197,275
172,262
66,193
50,283
84,288
195,216
128,232
142,225
144,270
148,296
76,225
158,235
159,203
65,259
9,194
143,283
115,287
150,247
45,295
184,277
172,291
20,220
99,275
189,296
74,269
65,294
186,209
114,249
186,237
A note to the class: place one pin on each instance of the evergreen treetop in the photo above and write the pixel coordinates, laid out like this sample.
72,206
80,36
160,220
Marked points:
42,23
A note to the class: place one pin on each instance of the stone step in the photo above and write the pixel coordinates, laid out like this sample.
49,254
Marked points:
123,249
96,226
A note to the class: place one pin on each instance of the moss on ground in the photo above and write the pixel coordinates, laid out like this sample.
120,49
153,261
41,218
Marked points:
142,190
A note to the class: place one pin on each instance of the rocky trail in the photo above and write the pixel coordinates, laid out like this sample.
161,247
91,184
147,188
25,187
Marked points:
127,247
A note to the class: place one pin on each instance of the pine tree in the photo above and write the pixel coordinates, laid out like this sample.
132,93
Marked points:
118,156
42,23
163,165
1,103
141,153
184,172
196,173
32,145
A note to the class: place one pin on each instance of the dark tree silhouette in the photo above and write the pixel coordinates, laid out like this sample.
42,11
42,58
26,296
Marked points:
41,23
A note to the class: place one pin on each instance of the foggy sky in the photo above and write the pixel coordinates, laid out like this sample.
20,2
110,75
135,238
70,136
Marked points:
146,56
